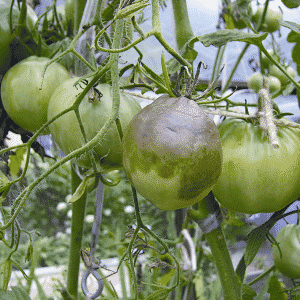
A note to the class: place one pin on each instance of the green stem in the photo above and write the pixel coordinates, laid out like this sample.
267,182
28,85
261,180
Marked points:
217,243
183,28
78,212
229,280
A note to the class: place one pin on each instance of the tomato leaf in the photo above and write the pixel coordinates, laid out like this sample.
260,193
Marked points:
16,293
276,289
83,187
166,75
221,37
291,25
255,240
248,293
161,294
296,55
15,161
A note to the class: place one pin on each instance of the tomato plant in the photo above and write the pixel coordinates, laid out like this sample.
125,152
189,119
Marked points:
272,19
172,160
287,259
26,91
254,176
6,33
94,111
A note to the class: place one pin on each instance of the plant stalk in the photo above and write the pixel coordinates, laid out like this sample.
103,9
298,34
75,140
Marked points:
183,28
78,212
217,243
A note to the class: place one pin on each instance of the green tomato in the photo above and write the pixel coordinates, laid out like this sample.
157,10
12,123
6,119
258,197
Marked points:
172,153
94,111
288,261
23,99
275,71
272,19
5,33
255,83
256,177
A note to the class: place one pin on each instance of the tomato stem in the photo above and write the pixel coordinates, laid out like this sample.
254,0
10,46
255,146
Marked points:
217,243
78,213
183,28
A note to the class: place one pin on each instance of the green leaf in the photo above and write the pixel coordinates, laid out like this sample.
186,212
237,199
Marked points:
293,37
5,274
15,161
86,185
161,294
221,37
276,289
247,292
296,56
291,25
255,240
16,293
166,75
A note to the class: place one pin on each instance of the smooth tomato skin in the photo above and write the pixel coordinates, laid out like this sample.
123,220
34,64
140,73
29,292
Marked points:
272,19
66,131
288,262
21,95
172,153
257,178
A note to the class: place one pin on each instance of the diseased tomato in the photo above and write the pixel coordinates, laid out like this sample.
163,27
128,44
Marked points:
172,153
94,111
287,260
6,34
272,19
257,178
23,99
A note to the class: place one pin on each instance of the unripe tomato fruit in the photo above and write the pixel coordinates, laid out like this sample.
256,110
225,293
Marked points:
94,113
172,153
272,19
255,83
6,34
256,177
288,261
24,97
275,71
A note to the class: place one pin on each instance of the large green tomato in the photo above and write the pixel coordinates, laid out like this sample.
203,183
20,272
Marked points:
6,34
94,111
272,19
23,98
288,261
275,71
257,178
172,153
